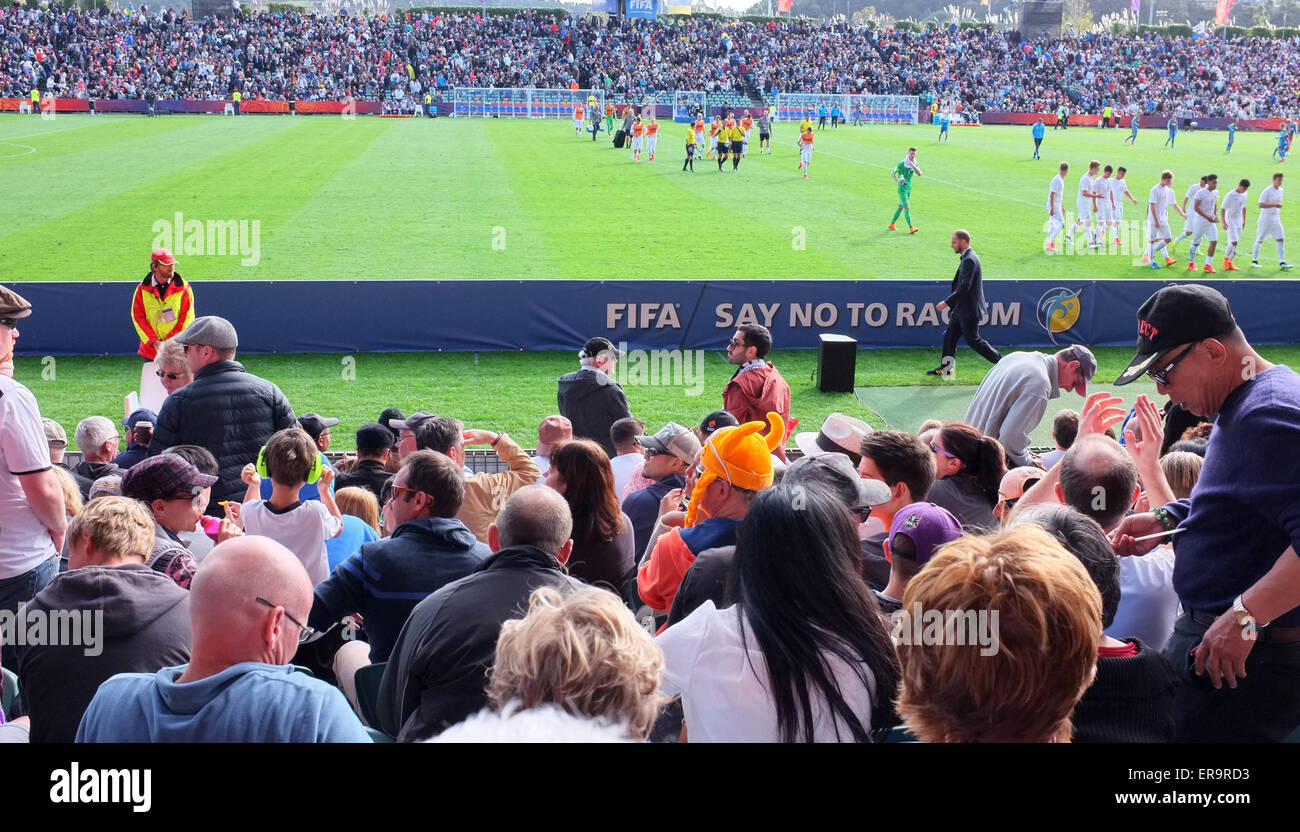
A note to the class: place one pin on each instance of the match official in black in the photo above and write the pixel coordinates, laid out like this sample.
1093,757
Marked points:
965,305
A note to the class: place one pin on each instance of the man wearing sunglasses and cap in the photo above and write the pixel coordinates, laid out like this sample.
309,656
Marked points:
590,398
1237,574
1013,397
162,307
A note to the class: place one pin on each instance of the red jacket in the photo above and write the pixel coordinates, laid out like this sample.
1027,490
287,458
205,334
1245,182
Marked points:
749,396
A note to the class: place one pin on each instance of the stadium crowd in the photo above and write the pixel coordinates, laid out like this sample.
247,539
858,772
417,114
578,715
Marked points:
790,599
72,53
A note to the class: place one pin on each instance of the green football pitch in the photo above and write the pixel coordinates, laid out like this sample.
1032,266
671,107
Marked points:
87,197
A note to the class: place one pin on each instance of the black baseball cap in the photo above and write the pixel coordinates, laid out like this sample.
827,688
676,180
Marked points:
1176,315
315,424
373,438
597,345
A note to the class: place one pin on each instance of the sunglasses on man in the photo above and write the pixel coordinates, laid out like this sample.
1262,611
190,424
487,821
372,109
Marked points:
1161,376
168,376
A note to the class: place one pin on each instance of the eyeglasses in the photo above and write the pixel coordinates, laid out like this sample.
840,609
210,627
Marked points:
860,512
305,633
11,323
733,343
397,489
939,450
1162,376
650,452
169,376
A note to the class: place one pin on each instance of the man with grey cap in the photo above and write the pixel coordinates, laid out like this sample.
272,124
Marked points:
227,410
1013,397
832,472
669,454
58,441
32,518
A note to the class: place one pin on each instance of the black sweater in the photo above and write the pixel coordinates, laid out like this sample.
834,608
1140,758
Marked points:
1131,700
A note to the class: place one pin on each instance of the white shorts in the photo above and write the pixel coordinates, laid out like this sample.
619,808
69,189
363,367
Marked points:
1105,214
636,142
699,137
1203,229
1269,228
746,135
1189,224
1058,217
1234,232
1083,208
1159,231
805,153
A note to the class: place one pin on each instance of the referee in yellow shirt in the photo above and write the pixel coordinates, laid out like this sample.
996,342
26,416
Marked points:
737,137
690,150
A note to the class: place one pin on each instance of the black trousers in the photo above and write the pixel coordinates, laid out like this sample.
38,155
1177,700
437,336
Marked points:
968,325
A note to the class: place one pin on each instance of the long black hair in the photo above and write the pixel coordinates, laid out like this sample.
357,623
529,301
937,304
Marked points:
798,580
983,461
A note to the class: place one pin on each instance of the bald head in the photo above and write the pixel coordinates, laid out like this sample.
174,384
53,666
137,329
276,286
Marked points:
1099,479
229,624
535,516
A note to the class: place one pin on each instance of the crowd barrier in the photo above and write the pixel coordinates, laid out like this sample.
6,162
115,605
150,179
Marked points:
170,105
1144,122
483,315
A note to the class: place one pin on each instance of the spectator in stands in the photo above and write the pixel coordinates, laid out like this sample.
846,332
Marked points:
1132,698
1013,397
173,370
803,656
142,619
590,398
582,652
839,434
139,428
1014,485
172,489
318,428
552,431
1182,469
1065,426
628,458
669,454
225,409
602,534
406,432
714,421
918,531
484,493
1023,687
383,581
906,465
756,388
737,464
1236,579
374,443
246,610
98,440
57,439
209,530
289,460
968,472
360,515
437,670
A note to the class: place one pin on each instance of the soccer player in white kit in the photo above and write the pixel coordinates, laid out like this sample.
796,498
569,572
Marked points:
1158,203
1119,190
1086,203
1188,214
1232,211
1205,223
1270,222
1056,208
1105,204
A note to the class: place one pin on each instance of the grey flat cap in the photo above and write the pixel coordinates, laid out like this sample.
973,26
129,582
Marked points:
210,331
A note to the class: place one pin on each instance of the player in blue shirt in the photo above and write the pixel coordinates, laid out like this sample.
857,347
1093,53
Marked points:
1283,142
1038,132
945,118
1232,134
836,116
1173,132
1132,133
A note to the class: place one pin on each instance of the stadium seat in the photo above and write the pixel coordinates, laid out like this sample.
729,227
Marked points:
367,683
8,689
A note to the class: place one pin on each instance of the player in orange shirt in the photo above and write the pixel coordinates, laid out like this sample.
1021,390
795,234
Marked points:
578,114
746,124
637,130
805,150
714,129
609,119
699,130
652,137
729,122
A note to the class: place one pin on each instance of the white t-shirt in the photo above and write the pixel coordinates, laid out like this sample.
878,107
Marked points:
1057,187
1190,196
1233,203
1205,203
625,465
1148,604
1085,187
1160,198
1103,186
1118,187
1273,195
24,541
302,530
725,697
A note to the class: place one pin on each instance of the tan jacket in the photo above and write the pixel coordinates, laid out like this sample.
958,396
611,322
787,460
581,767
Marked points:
486,493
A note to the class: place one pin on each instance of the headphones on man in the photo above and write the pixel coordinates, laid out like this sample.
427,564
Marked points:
312,476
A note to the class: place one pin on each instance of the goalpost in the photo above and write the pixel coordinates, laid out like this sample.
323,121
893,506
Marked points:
793,106
518,102
884,109
686,103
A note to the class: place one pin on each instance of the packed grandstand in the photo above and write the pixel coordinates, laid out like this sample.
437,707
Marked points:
279,56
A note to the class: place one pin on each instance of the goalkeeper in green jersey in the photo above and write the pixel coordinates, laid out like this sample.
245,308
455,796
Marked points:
902,173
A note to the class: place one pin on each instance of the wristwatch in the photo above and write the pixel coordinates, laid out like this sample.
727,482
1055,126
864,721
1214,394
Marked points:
1243,616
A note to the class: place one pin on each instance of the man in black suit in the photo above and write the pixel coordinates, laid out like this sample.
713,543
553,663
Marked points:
590,398
966,304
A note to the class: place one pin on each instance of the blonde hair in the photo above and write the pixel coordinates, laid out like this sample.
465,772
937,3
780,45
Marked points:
1182,469
172,354
116,527
359,502
71,491
584,652
1048,626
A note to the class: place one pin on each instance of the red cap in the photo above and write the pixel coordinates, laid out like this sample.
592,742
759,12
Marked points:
162,255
